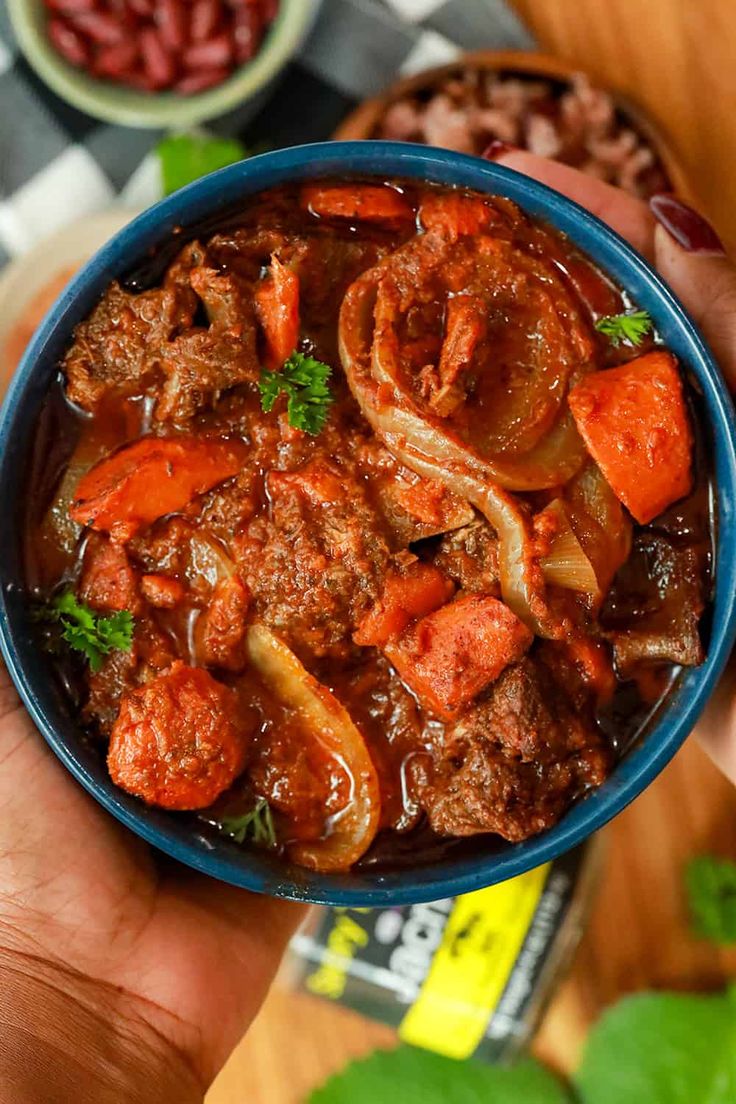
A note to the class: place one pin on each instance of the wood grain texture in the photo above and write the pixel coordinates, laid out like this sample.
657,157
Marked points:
675,59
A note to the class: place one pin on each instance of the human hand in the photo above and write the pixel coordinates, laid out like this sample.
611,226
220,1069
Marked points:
691,259
124,978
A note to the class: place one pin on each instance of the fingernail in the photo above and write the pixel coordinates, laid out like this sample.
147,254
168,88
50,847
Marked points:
688,228
496,149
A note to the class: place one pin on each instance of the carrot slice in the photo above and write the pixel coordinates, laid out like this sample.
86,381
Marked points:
364,202
635,425
449,656
456,214
327,721
154,476
277,309
413,593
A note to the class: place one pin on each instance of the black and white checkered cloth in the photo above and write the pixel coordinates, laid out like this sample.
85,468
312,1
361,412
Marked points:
57,164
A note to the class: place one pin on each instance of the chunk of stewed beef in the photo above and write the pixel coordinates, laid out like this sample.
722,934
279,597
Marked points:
119,346
654,606
514,761
315,564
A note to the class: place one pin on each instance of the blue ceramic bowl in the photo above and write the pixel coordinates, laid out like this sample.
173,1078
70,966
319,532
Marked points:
210,852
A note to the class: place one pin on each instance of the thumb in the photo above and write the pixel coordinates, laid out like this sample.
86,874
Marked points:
691,259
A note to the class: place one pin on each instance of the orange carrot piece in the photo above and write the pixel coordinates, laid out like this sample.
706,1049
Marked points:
152,477
277,309
635,425
417,591
363,202
449,656
456,214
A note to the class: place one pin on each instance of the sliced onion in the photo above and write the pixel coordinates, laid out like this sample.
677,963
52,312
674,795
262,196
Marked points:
566,564
601,523
327,720
208,560
423,446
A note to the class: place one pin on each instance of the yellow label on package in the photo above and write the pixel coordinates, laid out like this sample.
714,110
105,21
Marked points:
461,976
472,965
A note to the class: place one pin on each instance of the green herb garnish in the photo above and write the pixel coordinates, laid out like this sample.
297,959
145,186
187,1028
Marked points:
304,381
711,891
631,327
419,1077
256,825
675,1048
88,632
186,157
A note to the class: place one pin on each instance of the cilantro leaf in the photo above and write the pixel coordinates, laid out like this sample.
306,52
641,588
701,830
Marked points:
415,1076
186,157
304,382
711,890
88,632
662,1047
631,327
256,825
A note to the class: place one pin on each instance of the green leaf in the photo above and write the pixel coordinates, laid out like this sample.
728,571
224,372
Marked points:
256,825
711,890
87,632
304,382
662,1049
411,1076
186,157
631,327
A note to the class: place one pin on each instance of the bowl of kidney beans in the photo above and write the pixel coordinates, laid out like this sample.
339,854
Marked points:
159,62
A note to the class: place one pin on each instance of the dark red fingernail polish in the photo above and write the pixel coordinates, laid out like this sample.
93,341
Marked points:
686,226
496,149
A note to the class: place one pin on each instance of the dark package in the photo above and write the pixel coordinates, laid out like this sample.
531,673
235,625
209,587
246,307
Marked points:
466,976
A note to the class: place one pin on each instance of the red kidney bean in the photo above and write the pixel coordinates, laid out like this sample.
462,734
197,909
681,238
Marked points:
171,17
101,27
201,80
158,63
269,10
137,78
68,7
215,53
204,20
143,8
247,32
116,62
69,44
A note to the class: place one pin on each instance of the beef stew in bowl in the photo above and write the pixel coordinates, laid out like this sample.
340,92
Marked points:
383,519
242,837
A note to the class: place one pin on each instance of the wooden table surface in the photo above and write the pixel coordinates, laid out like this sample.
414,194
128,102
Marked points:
676,59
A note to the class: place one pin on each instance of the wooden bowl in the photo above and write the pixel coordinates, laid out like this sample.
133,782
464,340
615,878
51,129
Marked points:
362,122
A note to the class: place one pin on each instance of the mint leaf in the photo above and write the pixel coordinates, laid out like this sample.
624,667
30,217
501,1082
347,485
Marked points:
662,1049
412,1076
711,890
186,157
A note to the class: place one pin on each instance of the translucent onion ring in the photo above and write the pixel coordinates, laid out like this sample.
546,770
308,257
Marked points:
327,720
556,458
428,451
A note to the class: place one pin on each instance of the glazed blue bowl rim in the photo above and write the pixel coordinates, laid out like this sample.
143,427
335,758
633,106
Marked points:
447,877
